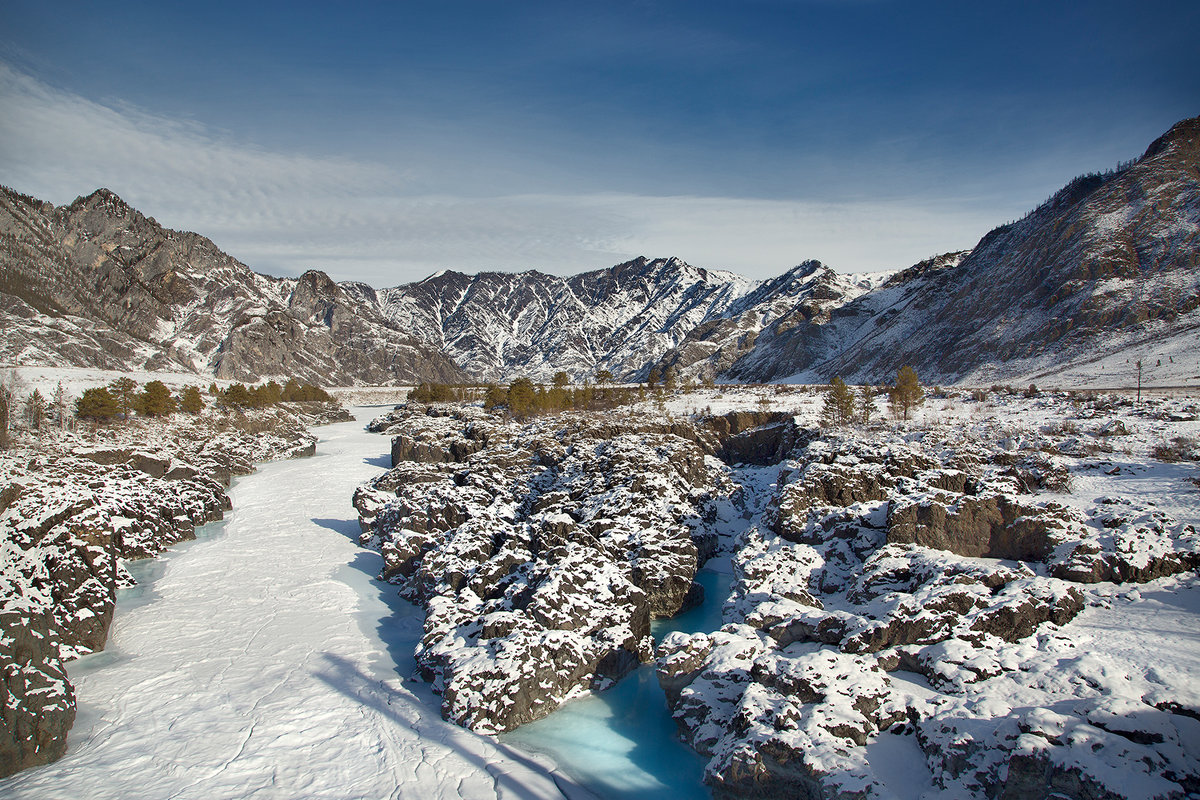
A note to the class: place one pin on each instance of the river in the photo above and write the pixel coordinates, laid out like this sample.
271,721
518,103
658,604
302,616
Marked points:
264,661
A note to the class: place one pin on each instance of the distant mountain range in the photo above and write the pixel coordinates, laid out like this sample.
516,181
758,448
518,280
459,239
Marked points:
1109,264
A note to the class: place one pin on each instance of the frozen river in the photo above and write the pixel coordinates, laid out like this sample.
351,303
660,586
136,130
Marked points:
269,664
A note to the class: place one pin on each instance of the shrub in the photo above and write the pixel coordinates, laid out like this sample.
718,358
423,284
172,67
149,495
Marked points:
1181,448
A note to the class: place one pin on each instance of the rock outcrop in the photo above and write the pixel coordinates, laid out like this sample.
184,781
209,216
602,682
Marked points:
884,564
539,551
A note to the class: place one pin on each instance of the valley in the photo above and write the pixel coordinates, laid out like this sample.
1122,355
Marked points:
986,591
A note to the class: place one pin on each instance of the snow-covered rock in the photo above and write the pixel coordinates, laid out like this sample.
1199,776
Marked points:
917,586
540,557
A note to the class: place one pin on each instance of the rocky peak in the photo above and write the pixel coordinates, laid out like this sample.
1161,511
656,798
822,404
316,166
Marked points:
1183,135
314,287
103,203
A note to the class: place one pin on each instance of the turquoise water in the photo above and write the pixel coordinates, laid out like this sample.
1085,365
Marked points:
622,743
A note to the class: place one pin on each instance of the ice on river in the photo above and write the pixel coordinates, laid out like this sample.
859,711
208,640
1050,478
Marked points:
271,665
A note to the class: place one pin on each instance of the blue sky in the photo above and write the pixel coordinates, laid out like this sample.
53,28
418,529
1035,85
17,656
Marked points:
383,141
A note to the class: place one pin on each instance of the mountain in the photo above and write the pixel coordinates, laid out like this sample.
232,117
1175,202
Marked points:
804,296
1110,263
1103,272
499,325
97,284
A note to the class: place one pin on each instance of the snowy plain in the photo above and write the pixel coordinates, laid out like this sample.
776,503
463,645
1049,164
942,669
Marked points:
270,664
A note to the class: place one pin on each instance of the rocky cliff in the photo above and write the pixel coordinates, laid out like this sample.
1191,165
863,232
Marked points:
97,284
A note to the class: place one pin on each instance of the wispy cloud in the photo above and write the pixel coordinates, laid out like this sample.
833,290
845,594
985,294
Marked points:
285,212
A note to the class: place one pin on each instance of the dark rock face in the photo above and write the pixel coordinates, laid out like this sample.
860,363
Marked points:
995,526
541,552
37,702
108,282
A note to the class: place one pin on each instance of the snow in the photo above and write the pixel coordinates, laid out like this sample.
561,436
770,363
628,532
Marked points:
243,677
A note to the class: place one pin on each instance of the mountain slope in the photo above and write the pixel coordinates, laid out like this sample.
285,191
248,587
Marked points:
1110,260
498,325
96,283
1108,265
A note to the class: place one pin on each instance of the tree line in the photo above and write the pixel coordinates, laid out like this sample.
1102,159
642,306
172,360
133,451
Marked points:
523,398
124,398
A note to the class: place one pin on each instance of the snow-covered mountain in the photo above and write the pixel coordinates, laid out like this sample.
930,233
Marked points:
498,325
97,284
1109,264
1104,271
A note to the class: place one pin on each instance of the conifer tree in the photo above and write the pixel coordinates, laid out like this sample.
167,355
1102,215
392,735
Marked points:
839,402
97,404
124,391
236,395
494,397
35,410
191,402
907,394
156,400
521,398
60,405
7,401
866,403
669,379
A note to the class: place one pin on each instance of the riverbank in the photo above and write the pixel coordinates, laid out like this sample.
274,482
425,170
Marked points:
248,677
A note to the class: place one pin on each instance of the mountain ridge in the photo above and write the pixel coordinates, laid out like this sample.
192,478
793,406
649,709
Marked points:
1110,260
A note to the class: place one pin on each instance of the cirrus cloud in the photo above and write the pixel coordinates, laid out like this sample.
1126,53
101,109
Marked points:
359,219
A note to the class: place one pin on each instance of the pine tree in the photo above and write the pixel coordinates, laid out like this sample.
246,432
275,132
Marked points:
521,398
35,410
494,397
561,379
7,398
866,403
654,377
156,400
97,404
907,394
190,402
237,395
604,376
60,405
839,403
124,391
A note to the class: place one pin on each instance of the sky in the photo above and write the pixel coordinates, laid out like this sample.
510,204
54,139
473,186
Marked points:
384,141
